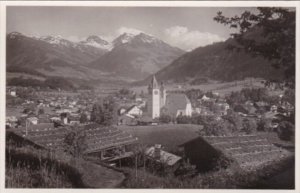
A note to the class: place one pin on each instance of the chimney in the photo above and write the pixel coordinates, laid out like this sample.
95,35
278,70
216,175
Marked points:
157,148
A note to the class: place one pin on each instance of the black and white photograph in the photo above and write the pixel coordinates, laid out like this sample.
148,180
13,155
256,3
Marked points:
169,95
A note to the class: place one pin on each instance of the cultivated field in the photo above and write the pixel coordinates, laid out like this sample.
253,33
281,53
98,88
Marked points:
169,136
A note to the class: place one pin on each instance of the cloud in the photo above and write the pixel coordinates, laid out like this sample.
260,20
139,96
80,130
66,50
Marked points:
185,39
122,30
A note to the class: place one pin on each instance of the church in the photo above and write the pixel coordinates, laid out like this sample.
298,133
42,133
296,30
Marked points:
172,104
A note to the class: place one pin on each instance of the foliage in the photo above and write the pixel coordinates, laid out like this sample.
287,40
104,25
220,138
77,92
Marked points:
83,118
289,96
264,124
59,83
105,112
181,119
270,33
249,126
25,82
215,127
286,131
165,118
41,111
110,111
22,69
235,119
248,94
75,143
97,113
50,82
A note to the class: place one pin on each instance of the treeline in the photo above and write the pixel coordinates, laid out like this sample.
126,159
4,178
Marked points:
21,69
50,82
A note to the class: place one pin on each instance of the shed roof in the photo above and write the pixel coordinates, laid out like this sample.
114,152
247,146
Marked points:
165,157
249,151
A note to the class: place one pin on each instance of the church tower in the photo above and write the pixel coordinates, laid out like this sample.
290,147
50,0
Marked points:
163,95
154,99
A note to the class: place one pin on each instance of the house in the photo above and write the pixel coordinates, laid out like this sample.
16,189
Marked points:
168,161
73,120
134,111
13,93
205,98
274,108
222,108
122,110
32,120
127,119
11,121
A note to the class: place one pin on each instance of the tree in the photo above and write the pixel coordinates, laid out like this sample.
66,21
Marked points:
264,124
249,126
270,34
181,119
110,111
215,127
289,96
83,118
286,131
97,113
235,119
165,118
75,143
41,111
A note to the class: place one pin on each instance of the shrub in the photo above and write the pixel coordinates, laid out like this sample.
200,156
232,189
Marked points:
286,130
165,118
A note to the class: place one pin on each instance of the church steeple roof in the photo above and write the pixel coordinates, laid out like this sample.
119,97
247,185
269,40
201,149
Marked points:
154,83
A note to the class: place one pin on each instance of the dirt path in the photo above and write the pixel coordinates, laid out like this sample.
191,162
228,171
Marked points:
96,176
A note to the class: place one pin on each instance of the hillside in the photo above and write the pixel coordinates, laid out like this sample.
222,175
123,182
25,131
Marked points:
216,62
136,56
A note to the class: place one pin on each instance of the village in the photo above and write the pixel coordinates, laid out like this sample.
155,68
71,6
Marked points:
109,129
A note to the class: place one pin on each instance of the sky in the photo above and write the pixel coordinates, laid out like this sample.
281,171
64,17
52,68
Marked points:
183,27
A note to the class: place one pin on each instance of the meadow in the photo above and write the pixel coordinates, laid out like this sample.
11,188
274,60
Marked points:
168,135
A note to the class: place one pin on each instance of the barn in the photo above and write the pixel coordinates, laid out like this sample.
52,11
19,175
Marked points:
248,152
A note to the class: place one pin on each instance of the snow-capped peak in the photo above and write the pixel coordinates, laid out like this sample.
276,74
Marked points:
134,38
146,38
123,39
13,35
57,39
97,42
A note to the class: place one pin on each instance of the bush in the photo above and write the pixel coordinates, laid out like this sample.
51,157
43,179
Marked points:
286,131
165,118
181,119
249,126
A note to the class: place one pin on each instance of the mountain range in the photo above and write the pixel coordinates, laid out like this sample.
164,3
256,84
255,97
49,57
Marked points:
129,57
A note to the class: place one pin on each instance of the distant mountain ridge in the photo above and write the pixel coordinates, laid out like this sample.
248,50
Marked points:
136,56
216,62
